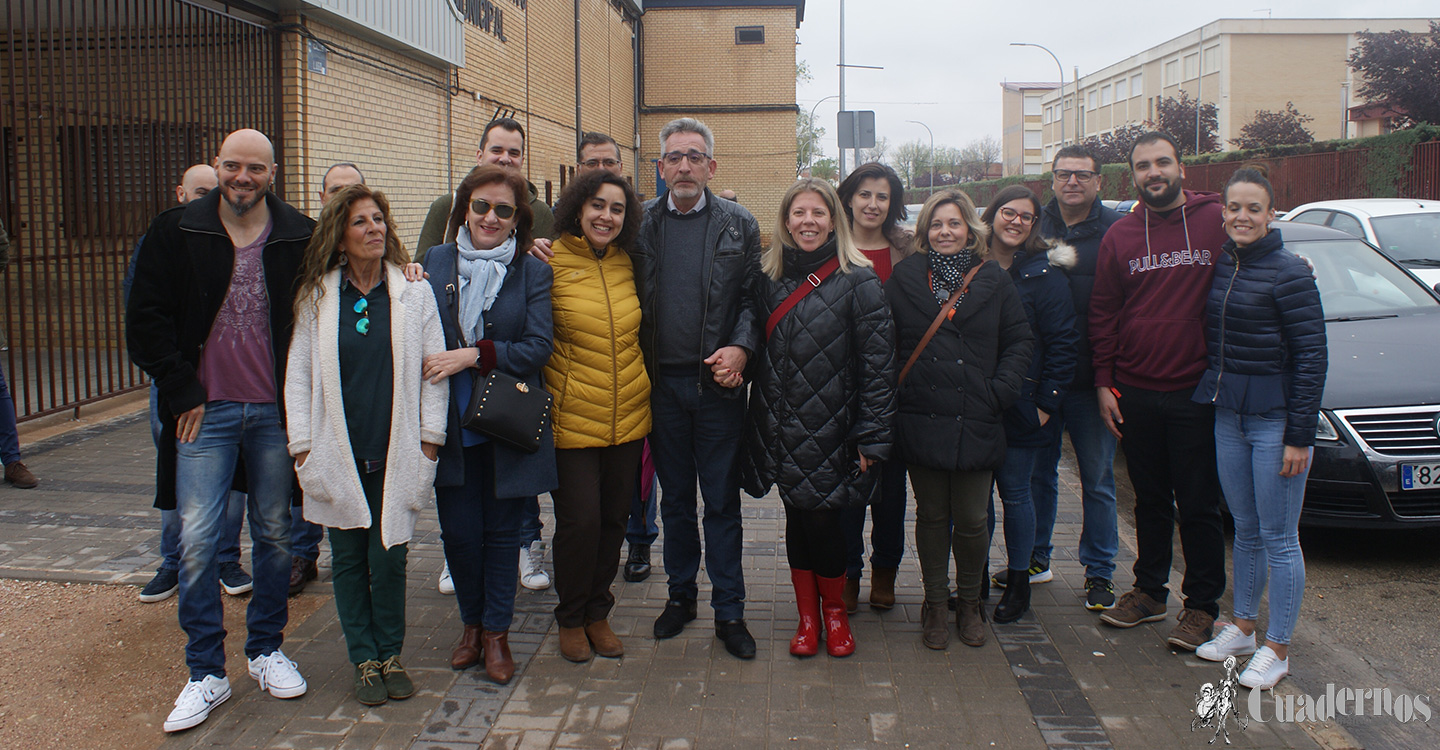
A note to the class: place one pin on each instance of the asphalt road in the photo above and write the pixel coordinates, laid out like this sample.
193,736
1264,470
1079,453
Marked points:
1370,617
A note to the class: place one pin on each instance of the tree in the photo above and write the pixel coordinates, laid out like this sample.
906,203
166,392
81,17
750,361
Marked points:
1114,147
825,169
879,153
1401,69
912,161
807,132
1177,117
1281,128
973,161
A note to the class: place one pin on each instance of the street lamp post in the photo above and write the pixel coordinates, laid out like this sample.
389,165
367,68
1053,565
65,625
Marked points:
1061,68
810,162
932,155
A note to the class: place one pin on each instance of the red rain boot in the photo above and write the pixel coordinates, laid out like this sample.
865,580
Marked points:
807,600
838,640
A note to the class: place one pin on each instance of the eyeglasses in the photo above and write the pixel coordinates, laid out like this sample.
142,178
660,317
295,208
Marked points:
1081,176
362,326
695,158
481,207
595,163
1010,214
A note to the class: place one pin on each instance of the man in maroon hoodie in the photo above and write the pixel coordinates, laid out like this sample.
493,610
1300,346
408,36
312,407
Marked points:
1147,332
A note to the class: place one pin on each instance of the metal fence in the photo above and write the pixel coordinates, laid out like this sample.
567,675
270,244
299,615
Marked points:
103,105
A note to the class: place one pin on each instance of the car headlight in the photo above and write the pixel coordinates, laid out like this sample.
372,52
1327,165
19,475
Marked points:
1325,430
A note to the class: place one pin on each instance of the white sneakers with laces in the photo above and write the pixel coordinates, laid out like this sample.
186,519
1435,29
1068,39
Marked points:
1230,641
277,675
532,569
447,584
1265,669
196,701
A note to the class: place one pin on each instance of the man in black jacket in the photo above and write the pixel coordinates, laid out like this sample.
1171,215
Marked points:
1077,217
693,263
210,317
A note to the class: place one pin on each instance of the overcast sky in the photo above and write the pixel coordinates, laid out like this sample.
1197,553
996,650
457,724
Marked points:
945,60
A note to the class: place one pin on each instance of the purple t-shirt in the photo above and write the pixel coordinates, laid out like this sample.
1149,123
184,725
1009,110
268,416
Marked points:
237,363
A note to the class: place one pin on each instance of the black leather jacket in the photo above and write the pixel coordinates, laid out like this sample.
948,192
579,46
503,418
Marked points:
732,260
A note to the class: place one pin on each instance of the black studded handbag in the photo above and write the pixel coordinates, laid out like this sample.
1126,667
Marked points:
506,409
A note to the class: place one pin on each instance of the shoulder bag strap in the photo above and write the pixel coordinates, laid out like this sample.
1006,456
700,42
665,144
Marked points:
791,301
945,310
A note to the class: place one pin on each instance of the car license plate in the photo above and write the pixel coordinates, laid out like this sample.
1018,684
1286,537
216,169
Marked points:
1419,476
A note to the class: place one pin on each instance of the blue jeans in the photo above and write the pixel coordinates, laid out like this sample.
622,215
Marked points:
1249,451
530,523
204,471
887,523
1013,483
1095,453
696,434
481,535
9,433
304,536
227,545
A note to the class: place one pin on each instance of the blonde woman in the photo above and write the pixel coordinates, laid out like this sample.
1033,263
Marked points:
822,399
948,421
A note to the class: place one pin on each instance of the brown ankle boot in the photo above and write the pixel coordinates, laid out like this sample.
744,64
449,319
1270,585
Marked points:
603,640
467,654
851,595
499,664
934,630
882,588
574,645
970,619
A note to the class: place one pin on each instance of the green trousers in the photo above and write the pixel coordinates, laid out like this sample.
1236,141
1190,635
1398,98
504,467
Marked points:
369,583
951,515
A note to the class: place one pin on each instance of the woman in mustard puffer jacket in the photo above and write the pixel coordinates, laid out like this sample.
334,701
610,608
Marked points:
602,403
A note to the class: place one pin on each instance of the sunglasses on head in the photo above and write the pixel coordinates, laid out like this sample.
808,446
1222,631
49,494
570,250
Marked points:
502,210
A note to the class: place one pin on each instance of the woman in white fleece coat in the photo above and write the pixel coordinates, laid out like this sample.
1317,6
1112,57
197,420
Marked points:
364,425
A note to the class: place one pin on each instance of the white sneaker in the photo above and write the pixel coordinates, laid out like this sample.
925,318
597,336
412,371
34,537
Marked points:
195,702
1228,642
532,570
1265,669
277,675
447,584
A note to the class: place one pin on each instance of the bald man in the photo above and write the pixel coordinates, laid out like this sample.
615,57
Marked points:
210,316
194,184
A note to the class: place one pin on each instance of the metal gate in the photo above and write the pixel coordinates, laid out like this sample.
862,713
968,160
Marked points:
103,105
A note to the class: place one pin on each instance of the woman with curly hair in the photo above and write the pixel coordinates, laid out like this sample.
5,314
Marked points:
363,424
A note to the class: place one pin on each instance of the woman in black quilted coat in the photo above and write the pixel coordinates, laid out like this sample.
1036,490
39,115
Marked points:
821,401
1265,333
948,420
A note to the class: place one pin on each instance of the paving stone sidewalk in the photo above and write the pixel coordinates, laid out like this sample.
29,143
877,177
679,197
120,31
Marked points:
1056,679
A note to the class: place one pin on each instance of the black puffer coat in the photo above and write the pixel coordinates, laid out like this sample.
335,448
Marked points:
948,417
824,392
1045,293
1265,333
1085,238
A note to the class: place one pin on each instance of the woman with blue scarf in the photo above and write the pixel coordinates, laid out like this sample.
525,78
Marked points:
494,302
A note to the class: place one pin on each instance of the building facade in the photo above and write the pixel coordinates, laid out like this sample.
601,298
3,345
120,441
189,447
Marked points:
1242,66
1022,144
113,99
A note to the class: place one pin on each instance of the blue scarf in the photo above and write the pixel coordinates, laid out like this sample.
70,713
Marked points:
482,272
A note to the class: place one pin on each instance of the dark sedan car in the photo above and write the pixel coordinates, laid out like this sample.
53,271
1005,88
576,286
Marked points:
1377,450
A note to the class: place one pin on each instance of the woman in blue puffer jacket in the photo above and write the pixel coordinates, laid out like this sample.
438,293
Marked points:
1266,336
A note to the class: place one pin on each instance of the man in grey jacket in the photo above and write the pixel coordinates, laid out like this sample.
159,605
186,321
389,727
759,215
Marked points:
694,260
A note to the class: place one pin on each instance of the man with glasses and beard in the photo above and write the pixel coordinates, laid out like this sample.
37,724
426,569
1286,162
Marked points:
209,320
694,260
1147,337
